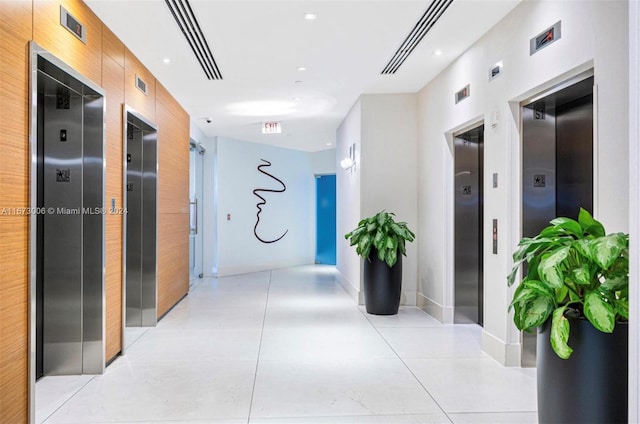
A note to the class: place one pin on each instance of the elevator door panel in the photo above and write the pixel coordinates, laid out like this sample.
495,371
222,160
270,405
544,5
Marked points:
141,223
468,226
134,227
574,150
148,229
62,264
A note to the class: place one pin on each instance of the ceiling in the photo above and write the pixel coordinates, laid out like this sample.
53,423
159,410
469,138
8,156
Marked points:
260,45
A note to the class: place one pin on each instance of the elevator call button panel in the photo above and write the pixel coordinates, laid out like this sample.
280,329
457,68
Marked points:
63,135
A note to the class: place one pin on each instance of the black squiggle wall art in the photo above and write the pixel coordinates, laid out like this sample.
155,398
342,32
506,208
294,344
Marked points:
263,201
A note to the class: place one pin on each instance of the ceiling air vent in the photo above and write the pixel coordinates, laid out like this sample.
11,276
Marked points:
428,20
186,20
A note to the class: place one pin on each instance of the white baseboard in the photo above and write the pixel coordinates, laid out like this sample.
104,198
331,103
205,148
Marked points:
505,353
444,314
355,294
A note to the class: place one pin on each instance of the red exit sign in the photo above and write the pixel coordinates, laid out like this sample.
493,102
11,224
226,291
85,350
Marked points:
271,128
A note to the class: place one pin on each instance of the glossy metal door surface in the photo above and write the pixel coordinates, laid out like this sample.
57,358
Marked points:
468,154
557,165
67,226
141,222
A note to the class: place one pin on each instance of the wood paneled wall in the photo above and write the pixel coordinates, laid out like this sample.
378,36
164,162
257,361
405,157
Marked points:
113,82
15,30
173,200
107,62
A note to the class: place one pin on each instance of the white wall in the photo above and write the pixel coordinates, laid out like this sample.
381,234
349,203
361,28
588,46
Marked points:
582,46
323,162
238,249
384,130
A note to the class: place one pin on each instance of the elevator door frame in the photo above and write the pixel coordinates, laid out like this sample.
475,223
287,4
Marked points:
36,52
126,112
548,88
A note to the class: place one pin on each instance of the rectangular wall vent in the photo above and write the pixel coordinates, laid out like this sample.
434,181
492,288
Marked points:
141,85
545,38
463,94
426,22
186,20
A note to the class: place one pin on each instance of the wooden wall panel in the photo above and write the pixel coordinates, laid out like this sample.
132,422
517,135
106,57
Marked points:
173,260
113,83
50,35
15,31
141,103
173,158
173,200
112,47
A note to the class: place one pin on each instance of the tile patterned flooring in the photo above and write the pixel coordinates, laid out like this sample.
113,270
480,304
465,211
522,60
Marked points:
290,346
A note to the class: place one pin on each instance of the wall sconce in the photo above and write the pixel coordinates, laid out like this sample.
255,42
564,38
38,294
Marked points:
350,161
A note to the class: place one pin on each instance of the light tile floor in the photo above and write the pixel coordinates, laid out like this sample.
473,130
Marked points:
290,346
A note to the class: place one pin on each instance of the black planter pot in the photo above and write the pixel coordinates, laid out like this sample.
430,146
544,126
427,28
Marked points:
382,285
590,386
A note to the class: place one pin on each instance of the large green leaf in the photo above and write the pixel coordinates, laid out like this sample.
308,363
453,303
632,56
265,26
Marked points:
581,275
589,224
583,248
569,225
560,333
615,283
371,227
382,218
550,268
539,287
523,294
600,313
561,294
536,311
364,245
605,250
622,308
391,257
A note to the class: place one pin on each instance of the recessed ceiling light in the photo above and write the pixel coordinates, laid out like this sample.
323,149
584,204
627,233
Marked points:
297,99
438,52
310,16
166,60
328,144
297,82
302,68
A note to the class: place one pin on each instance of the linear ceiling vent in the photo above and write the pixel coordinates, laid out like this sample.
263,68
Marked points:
428,20
183,14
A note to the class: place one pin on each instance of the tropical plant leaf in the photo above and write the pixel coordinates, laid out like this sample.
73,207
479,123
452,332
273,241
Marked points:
540,288
615,283
600,313
391,257
381,217
581,275
622,307
569,225
371,227
605,250
583,248
536,311
589,224
364,244
560,333
550,268
561,294
551,231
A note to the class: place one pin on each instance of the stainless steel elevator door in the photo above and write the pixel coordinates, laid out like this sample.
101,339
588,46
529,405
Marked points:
134,226
468,221
69,224
141,223
557,165
61,232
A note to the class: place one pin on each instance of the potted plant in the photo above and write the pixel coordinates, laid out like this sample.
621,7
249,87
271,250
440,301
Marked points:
575,291
378,239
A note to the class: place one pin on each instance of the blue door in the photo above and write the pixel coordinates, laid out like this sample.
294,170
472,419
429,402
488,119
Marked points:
326,219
